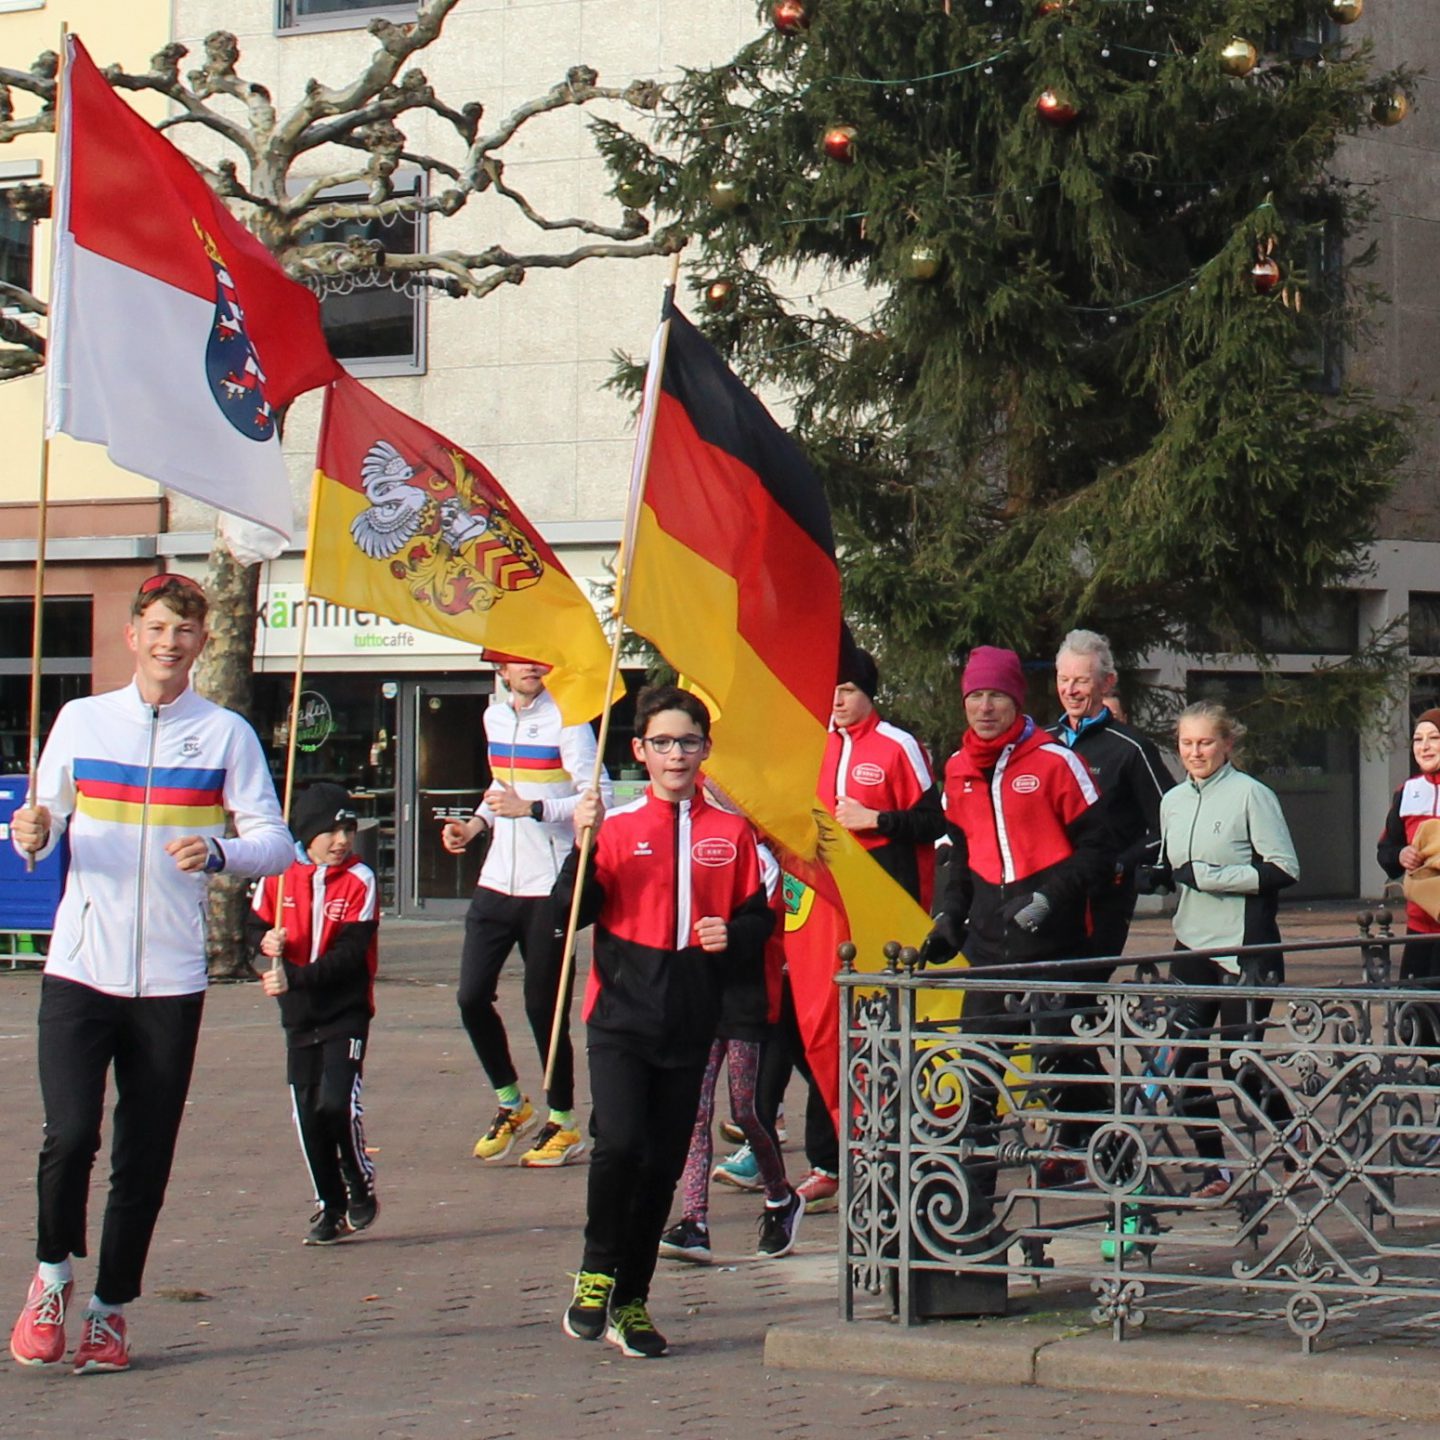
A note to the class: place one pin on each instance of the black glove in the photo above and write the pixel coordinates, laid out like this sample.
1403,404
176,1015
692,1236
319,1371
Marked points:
1185,875
1029,913
1154,879
944,942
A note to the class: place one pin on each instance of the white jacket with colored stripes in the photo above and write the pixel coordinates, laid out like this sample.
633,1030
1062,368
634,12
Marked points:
123,778
532,750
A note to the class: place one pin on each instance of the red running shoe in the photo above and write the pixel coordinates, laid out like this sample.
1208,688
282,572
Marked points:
104,1345
39,1334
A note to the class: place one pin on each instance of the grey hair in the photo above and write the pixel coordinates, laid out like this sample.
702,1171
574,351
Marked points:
1092,643
1225,725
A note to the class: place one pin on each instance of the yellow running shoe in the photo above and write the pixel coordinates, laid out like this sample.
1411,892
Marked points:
554,1145
509,1125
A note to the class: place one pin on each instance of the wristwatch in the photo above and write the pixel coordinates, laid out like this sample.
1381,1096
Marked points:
537,809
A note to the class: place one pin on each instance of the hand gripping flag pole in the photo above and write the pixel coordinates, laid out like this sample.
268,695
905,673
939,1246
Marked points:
644,440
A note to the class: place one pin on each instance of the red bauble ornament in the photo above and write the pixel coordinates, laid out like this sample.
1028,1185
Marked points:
1050,7
1055,108
840,143
1264,275
790,17
720,294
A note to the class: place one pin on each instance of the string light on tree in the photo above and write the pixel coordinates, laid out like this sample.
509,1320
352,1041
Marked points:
840,143
790,17
1346,12
1391,109
1055,107
1238,57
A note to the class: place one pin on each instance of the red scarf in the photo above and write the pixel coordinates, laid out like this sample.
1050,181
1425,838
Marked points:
984,753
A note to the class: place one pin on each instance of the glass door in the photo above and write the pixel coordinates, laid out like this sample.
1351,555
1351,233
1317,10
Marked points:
447,772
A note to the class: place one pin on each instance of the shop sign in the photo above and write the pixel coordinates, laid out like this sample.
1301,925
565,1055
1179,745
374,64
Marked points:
337,629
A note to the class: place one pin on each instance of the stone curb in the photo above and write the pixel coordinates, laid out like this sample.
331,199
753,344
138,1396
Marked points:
1244,1369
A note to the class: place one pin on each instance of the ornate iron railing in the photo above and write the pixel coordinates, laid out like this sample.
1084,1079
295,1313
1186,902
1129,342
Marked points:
1062,1140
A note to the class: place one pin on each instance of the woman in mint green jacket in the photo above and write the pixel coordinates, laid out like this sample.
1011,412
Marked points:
1228,854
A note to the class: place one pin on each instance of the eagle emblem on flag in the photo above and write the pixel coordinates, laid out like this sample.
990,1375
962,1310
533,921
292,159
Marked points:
231,365
452,543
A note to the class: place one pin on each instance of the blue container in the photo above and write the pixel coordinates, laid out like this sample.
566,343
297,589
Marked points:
28,901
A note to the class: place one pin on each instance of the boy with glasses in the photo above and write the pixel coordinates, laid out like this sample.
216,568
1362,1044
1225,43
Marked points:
140,780
675,891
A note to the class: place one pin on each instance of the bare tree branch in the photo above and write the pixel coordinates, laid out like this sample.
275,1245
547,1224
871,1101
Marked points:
635,223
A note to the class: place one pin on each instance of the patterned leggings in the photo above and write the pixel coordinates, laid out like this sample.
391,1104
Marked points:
742,1058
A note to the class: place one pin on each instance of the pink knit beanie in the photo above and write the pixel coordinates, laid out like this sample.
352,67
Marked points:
991,668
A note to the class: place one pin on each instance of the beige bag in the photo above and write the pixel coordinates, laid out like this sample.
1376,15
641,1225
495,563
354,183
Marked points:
1422,887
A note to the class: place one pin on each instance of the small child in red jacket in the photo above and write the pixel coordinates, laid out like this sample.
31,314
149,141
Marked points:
327,947
675,891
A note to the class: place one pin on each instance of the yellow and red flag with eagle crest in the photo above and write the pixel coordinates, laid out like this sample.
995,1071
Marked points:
408,525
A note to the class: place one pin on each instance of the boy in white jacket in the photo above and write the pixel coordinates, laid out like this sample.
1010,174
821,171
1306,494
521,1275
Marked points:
139,781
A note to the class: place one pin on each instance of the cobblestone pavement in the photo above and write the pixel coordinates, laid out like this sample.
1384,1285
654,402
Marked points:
444,1319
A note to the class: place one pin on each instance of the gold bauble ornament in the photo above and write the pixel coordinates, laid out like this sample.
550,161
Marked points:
635,189
1391,109
1346,12
725,194
1239,57
923,262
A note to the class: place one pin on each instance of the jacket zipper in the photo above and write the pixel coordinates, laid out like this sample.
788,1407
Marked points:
684,920
1194,821
514,824
1002,833
145,847
843,769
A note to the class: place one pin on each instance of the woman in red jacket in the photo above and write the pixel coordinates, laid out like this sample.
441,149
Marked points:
1415,802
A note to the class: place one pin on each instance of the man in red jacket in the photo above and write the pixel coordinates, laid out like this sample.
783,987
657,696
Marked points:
676,895
1029,851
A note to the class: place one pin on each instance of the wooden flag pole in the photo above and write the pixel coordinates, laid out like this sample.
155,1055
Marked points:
42,520
644,442
42,527
293,730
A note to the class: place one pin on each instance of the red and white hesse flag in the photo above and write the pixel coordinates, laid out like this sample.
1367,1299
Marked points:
175,336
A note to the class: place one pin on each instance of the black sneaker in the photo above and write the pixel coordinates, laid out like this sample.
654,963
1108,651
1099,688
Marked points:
585,1319
778,1227
362,1212
328,1227
634,1332
689,1240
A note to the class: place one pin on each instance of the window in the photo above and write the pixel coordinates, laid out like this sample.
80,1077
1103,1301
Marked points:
339,14
17,246
65,670
376,328
1425,624
1330,626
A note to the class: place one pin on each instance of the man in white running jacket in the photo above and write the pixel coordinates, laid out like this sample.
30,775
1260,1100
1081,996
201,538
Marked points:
139,782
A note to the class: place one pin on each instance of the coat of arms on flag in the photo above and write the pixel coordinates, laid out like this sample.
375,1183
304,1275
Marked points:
451,535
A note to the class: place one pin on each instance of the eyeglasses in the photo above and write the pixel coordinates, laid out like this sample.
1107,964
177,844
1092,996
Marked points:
159,582
664,744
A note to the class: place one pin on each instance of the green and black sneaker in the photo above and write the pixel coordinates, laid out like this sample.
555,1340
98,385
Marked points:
585,1319
632,1329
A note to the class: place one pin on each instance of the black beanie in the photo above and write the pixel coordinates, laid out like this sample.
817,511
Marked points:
320,808
857,667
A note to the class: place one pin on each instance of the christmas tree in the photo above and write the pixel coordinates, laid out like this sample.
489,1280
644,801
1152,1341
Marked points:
1060,293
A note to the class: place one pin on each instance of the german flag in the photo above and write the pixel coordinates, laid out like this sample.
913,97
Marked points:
407,525
729,570
844,894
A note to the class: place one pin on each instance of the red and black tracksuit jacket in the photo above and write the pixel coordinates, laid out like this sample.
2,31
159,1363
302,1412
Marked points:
1415,802
330,916
657,868
885,769
1029,824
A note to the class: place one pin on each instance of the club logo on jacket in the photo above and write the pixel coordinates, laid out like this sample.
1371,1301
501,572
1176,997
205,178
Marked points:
1025,784
337,909
714,852
868,774
190,745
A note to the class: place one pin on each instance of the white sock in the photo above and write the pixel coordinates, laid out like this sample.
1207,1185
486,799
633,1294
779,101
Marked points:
57,1274
101,1308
